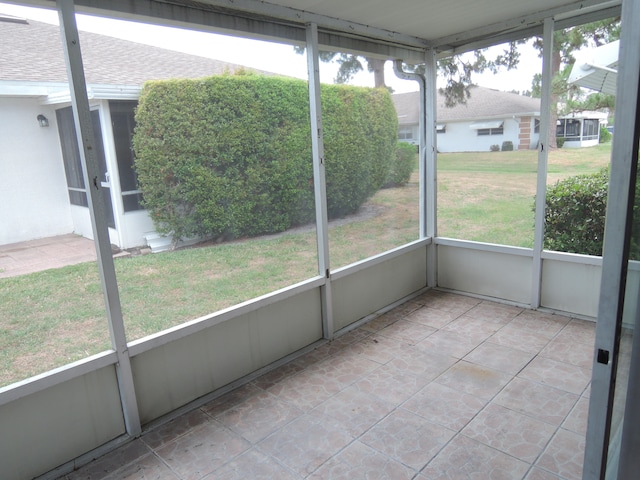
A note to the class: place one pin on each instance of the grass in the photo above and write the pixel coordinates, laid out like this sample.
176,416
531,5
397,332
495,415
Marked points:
51,318
488,197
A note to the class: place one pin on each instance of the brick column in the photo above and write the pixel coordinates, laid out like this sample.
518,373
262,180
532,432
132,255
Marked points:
524,134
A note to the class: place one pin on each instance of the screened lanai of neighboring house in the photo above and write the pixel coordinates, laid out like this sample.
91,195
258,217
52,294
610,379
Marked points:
153,356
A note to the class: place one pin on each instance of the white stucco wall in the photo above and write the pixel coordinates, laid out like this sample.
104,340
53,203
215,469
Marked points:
460,137
580,144
33,194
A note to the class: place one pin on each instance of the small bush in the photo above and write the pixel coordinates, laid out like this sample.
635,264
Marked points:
560,141
507,146
575,214
605,134
494,148
403,165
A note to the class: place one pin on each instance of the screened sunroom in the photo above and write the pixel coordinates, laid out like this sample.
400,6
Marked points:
419,335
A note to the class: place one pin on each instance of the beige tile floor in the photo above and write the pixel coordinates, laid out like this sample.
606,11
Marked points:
443,387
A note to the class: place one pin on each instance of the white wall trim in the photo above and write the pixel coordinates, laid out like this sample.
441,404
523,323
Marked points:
32,385
382,257
485,247
150,342
572,258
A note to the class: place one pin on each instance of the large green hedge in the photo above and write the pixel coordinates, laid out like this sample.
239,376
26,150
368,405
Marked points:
230,155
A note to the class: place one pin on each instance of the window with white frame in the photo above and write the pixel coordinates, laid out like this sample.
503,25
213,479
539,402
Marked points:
494,127
405,133
491,131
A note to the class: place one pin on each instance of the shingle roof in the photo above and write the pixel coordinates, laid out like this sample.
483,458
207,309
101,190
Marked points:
483,103
32,52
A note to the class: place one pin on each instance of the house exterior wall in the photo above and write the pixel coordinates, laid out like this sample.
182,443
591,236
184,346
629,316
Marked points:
34,201
33,196
581,143
460,137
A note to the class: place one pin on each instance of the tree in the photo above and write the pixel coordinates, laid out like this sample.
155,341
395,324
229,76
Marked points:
351,64
565,43
457,70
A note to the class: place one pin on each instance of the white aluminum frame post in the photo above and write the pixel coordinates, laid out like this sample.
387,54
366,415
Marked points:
91,172
624,160
543,156
319,179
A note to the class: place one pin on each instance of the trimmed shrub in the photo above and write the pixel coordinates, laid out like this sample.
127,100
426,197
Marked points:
360,137
575,214
507,146
403,165
605,134
560,141
494,148
230,156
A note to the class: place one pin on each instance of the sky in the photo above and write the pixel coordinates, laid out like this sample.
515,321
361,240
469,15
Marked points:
269,56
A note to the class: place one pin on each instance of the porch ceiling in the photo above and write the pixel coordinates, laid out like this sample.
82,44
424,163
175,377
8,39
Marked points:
445,23
391,29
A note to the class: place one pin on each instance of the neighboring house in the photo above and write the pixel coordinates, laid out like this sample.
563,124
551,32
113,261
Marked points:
581,129
492,117
489,117
42,192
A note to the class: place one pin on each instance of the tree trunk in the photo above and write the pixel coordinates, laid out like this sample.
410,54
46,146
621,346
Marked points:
553,120
377,67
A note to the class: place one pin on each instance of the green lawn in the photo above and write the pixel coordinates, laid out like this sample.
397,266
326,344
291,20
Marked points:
488,197
51,318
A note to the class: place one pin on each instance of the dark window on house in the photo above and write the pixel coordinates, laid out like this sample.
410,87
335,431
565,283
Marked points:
572,128
71,157
491,131
560,128
73,163
568,128
536,126
123,123
590,129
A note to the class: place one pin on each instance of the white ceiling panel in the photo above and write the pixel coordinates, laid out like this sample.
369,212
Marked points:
372,26
437,19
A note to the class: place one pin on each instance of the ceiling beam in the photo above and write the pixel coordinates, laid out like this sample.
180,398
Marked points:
288,26
259,18
515,25
267,21
536,30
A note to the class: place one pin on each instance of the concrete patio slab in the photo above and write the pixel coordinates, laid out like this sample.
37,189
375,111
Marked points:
44,254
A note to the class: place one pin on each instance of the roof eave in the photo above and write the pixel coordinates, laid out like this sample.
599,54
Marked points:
97,92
